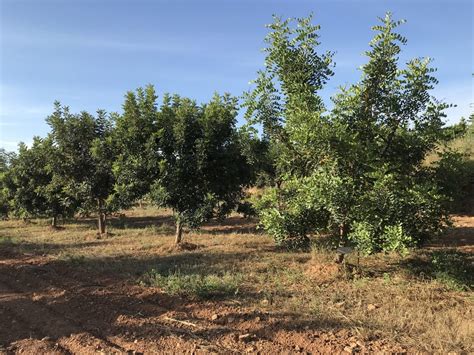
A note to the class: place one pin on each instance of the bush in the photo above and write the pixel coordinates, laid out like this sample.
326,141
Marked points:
246,209
291,226
398,213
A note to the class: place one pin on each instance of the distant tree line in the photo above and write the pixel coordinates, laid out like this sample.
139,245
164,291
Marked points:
356,172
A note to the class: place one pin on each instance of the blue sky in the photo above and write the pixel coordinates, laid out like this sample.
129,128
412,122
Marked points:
88,53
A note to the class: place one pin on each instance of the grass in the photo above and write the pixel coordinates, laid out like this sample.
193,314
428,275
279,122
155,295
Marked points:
7,241
464,145
423,301
452,268
194,285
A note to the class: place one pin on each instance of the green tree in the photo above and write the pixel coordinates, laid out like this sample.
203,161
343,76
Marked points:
5,162
260,154
84,157
135,138
202,171
285,99
286,103
33,186
392,123
355,171
456,130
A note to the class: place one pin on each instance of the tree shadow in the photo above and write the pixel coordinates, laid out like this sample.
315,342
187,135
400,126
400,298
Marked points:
185,263
455,237
124,222
452,267
230,225
57,298
13,247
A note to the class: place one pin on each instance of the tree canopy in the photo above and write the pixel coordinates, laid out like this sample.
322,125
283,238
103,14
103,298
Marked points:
201,170
83,158
355,171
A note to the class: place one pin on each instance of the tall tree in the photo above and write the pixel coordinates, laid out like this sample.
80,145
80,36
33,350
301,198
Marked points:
286,103
355,171
135,137
202,171
84,158
393,123
285,98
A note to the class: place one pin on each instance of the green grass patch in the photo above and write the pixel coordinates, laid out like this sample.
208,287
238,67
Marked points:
7,241
194,285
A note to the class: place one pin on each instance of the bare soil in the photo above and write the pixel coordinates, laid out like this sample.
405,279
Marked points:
50,305
47,307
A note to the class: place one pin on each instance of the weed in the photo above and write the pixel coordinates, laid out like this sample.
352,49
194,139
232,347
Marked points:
8,241
361,282
194,285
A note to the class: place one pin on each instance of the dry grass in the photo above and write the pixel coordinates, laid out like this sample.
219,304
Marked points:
464,145
386,296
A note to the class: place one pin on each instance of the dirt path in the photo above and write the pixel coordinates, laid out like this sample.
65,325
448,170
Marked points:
49,307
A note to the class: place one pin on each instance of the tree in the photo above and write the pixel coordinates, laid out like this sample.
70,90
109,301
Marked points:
260,155
202,171
456,130
84,156
5,162
135,138
285,100
355,172
34,188
392,123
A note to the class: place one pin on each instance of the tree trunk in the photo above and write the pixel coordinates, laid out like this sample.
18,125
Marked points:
179,232
102,223
54,222
342,236
101,217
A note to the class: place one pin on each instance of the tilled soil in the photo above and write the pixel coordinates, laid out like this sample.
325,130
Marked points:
47,306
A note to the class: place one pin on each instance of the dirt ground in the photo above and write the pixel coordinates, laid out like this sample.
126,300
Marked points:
47,308
54,305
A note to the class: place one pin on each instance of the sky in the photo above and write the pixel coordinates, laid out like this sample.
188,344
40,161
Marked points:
89,53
